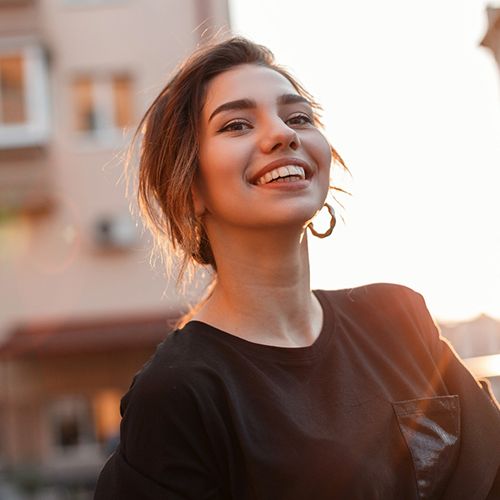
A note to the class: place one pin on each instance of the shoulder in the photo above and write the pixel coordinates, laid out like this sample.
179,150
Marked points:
179,374
176,396
384,309
382,297
170,415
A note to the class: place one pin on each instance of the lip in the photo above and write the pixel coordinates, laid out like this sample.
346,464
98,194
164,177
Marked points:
282,162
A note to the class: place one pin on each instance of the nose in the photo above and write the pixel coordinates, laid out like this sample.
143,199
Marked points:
278,135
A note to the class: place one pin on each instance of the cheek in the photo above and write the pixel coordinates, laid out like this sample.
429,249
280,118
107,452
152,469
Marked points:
326,151
218,174
210,164
323,158
222,168
321,151
218,158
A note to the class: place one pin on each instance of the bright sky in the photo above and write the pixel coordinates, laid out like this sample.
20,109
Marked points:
412,103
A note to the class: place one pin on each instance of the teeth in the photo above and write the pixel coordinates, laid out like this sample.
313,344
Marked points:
282,174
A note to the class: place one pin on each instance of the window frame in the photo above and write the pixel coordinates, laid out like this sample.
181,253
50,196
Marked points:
34,131
106,131
83,417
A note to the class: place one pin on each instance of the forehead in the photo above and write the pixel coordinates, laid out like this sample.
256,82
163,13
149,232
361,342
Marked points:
247,81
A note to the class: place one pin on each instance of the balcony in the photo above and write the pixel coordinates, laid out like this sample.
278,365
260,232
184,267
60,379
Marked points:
24,98
24,127
25,182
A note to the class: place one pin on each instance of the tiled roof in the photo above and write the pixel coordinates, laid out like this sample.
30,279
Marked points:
45,338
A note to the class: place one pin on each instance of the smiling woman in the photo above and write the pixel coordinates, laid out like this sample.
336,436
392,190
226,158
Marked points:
174,132
272,390
248,149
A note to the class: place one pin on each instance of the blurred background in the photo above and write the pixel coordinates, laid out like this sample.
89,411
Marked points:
410,92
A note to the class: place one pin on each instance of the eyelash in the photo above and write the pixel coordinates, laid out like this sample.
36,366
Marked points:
229,127
307,119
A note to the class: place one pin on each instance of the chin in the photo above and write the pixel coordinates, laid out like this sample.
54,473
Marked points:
296,218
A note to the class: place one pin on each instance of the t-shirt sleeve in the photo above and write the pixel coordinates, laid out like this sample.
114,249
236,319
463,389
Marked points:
165,449
479,411
456,376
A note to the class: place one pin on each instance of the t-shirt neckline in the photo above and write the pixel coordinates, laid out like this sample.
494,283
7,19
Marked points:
291,354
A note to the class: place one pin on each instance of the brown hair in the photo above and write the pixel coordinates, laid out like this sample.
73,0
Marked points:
169,147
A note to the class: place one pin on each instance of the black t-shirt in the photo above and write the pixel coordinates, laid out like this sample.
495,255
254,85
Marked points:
378,407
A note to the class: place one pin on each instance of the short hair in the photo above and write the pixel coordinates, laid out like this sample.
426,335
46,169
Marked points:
168,158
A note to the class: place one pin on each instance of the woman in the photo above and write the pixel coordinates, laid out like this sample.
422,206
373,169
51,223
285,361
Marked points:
272,391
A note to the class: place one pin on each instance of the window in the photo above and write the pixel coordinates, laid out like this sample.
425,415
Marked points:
102,106
122,101
23,95
107,414
71,423
3,435
12,89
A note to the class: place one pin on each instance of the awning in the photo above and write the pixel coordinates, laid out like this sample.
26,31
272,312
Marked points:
57,337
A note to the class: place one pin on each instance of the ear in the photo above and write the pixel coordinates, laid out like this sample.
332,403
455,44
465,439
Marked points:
198,201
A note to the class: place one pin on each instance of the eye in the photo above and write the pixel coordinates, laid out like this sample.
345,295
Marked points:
235,126
300,119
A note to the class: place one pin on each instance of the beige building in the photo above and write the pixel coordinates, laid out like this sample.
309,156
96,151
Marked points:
478,343
491,39
80,308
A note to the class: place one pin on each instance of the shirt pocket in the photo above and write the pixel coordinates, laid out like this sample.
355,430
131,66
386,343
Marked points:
431,430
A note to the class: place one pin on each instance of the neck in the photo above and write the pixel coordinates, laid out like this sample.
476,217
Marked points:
263,289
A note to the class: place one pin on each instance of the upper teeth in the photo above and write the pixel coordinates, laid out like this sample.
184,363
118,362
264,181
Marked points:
285,171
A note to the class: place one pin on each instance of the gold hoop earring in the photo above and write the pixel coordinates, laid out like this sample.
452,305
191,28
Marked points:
329,231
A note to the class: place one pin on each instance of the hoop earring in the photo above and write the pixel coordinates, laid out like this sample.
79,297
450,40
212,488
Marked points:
329,231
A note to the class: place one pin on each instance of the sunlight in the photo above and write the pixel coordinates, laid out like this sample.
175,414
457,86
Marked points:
417,120
484,366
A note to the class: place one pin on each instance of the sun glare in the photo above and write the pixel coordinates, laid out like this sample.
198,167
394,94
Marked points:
417,120
484,366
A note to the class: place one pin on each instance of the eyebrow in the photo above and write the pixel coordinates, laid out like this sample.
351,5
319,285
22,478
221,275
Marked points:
251,104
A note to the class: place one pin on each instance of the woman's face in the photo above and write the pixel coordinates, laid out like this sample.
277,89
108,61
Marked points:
262,161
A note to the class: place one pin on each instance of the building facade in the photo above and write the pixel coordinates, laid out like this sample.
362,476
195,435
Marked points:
80,308
477,342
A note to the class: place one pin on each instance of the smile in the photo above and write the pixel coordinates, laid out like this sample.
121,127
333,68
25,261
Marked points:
286,173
